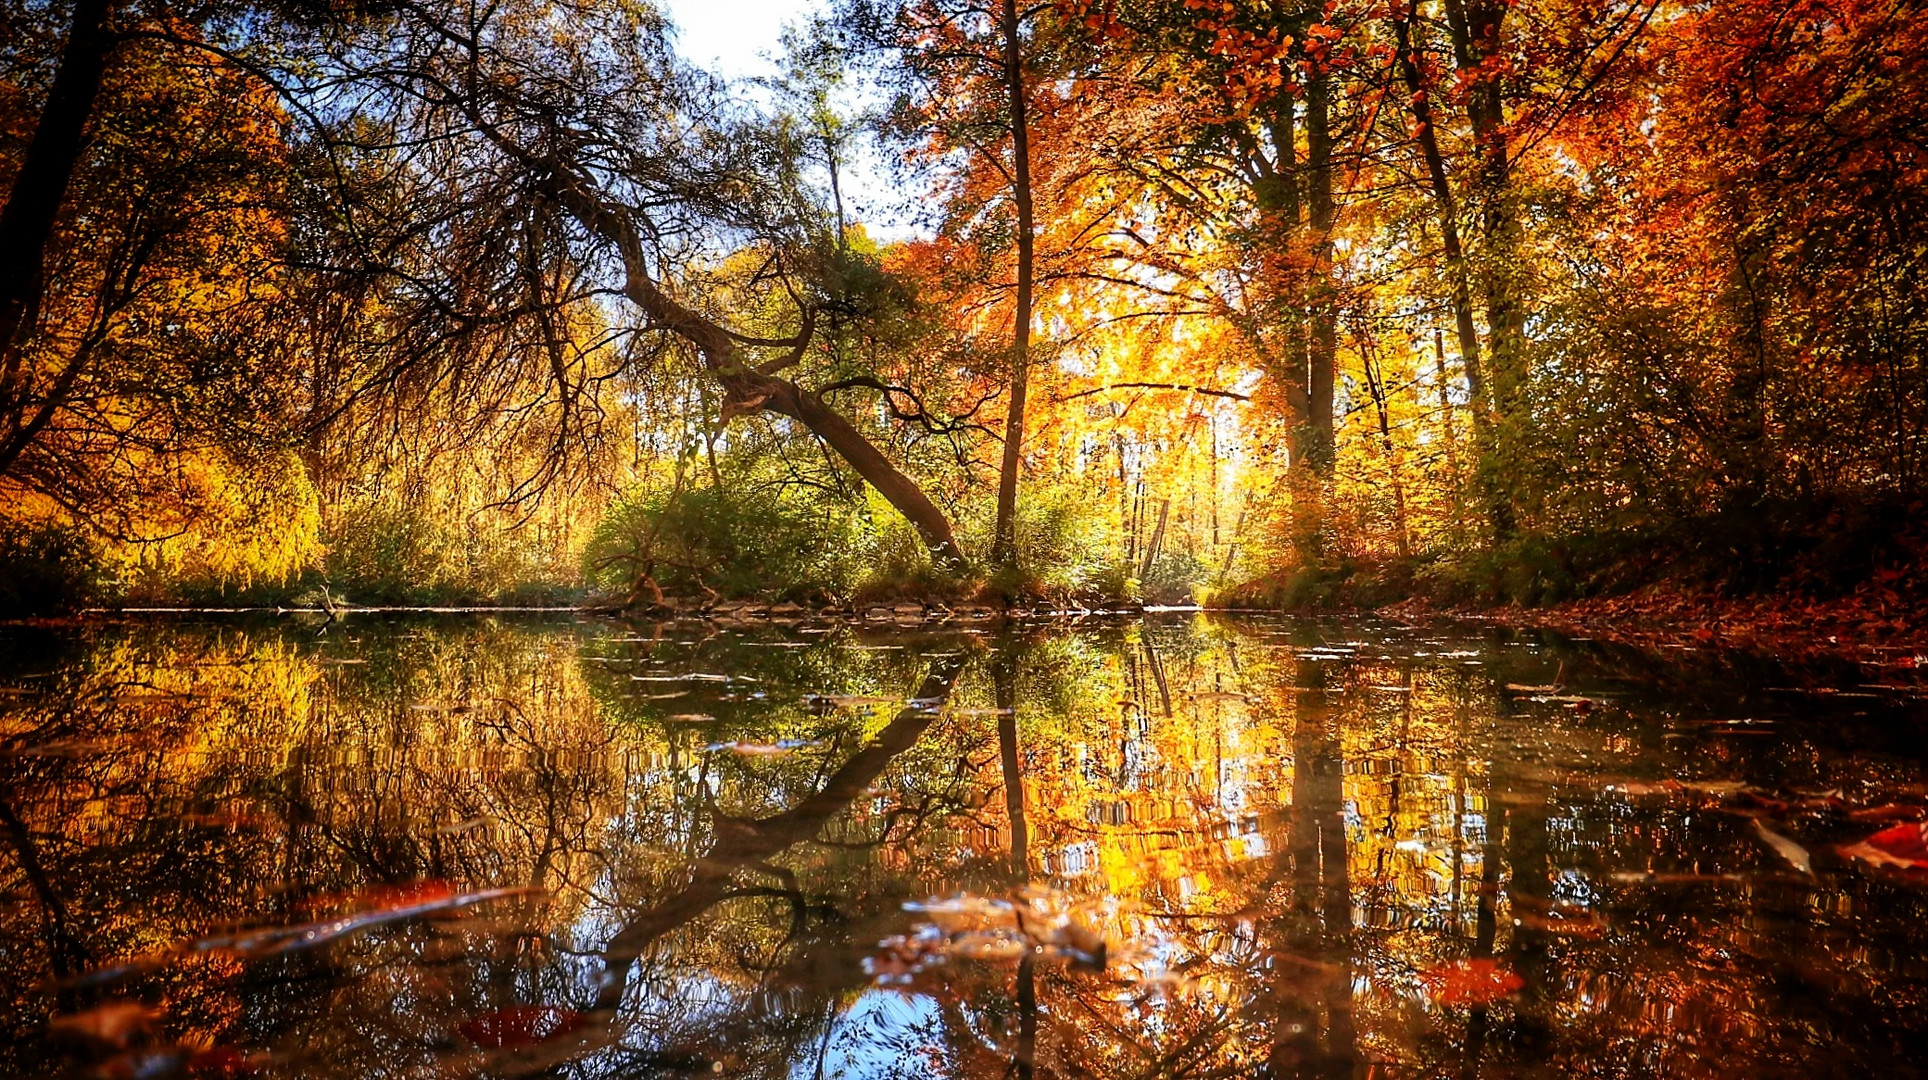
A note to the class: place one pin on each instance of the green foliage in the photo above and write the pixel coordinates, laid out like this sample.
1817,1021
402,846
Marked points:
46,569
746,540
859,294
398,554
1068,545
1175,578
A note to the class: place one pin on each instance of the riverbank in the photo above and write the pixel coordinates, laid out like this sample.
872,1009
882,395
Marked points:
1880,623
1875,624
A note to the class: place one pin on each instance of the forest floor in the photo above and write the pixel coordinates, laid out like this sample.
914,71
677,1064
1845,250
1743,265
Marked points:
1877,623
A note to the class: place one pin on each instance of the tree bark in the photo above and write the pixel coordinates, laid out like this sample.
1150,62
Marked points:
1279,198
27,220
1442,191
1284,194
1157,541
748,388
1376,386
1475,27
1321,295
1004,552
1311,443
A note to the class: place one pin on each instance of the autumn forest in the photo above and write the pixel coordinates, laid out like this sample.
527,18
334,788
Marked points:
1042,539
1230,303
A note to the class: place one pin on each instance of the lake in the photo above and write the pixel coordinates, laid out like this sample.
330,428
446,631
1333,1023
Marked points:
1185,845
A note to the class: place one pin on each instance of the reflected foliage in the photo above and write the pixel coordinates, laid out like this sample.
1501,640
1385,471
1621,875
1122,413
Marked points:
1171,848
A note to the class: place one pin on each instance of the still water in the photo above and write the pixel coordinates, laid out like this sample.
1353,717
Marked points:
1188,846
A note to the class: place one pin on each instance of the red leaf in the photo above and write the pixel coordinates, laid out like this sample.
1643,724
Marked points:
115,1023
1904,846
221,1063
1470,982
520,1025
383,897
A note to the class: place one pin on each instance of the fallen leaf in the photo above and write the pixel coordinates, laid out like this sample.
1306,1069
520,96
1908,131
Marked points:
460,827
114,1024
1641,788
1559,923
1083,943
1470,982
1889,812
980,945
520,1025
1714,787
1903,846
750,749
1795,854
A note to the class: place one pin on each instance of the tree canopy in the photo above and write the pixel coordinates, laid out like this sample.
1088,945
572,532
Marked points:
1253,300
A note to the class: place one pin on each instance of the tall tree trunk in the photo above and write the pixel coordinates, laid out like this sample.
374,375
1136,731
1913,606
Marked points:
1376,386
1004,679
1004,547
1442,191
1279,196
1321,294
1448,437
27,220
1283,199
1475,27
1312,444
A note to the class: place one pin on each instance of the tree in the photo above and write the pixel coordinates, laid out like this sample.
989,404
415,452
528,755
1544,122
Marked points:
635,165
142,355
968,73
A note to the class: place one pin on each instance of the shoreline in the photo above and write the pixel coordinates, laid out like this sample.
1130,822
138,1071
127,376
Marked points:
1883,629
1888,632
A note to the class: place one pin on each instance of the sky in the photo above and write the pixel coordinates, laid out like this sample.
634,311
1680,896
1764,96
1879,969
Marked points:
735,38
726,36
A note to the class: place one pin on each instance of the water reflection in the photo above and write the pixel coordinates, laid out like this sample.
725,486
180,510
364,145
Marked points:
1191,847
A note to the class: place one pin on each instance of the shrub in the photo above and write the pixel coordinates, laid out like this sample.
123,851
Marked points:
388,553
738,541
46,569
